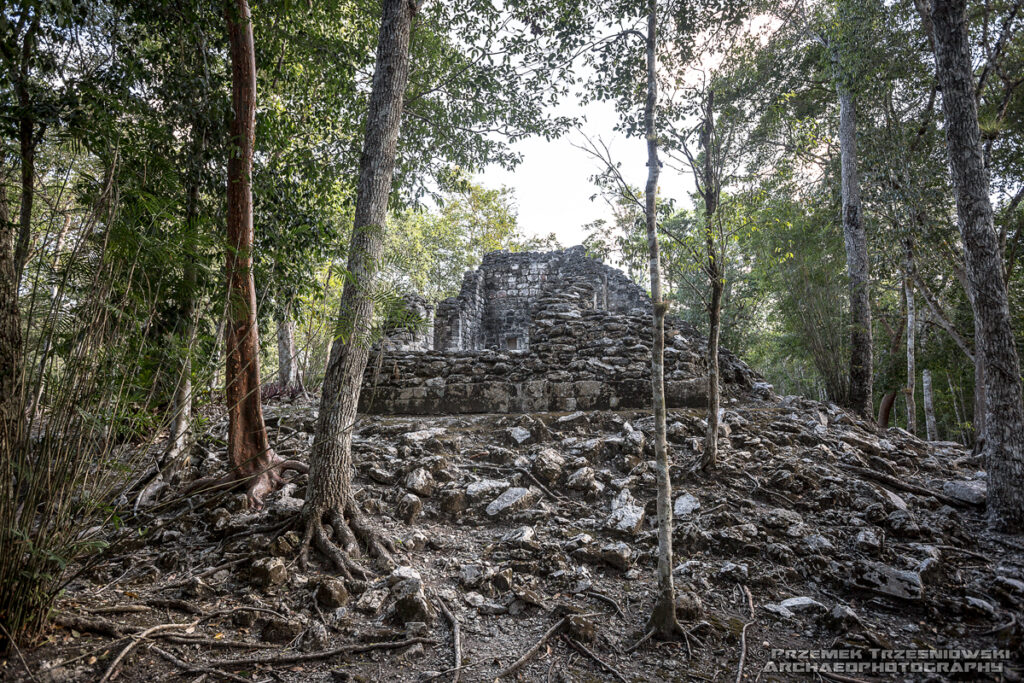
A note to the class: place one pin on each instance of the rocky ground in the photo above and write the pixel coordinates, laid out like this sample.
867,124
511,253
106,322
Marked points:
815,532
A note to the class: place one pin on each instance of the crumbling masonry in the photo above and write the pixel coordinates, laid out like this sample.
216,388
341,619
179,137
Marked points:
536,332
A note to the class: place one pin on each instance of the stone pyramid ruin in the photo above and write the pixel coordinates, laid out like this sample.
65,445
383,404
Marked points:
539,332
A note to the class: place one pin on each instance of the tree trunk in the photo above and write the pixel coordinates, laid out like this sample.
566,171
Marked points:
663,619
214,362
857,266
908,289
929,406
715,280
287,368
885,408
329,497
28,141
248,445
181,405
11,360
1004,414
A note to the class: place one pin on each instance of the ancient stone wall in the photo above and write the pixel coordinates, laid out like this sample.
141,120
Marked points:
582,341
410,325
494,306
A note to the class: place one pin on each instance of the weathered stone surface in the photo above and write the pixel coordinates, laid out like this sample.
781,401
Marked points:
617,555
685,505
409,508
548,466
887,580
513,500
279,630
420,482
485,489
626,516
269,571
803,604
973,492
332,594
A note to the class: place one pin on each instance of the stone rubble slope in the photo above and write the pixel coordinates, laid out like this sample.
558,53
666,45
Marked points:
842,536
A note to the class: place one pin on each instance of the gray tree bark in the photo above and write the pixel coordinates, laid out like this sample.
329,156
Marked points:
663,618
931,431
855,237
287,368
715,273
329,498
911,387
28,139
1004,414
11,359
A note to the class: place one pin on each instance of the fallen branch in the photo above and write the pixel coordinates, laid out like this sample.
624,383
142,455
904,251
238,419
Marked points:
456,638
743,651
515,666
608,599
605,665
634,646
203,574
293,657
900,485
218,642
138,639
543,488
999,629
173,603
743,633
117,609
964,551
197,668
99,625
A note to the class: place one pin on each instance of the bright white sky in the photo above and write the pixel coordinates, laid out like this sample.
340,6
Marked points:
552,185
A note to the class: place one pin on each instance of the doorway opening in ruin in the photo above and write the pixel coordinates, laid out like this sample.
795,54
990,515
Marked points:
512,343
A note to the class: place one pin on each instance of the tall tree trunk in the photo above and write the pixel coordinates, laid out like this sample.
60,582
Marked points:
329,497
929,406
908,289
1004,414
248,446
287,368
11,359
715,280
663,619
855,238
28,140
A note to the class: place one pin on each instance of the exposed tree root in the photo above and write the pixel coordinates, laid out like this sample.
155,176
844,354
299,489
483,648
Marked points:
349,528
259,483
516,665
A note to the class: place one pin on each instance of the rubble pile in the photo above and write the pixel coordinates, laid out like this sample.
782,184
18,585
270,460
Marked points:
843,538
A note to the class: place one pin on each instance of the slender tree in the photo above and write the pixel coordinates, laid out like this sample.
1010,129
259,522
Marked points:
329,497
929,405
855,237
711,190
287,367
249,451
11,360
908,289
663,619
994,339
